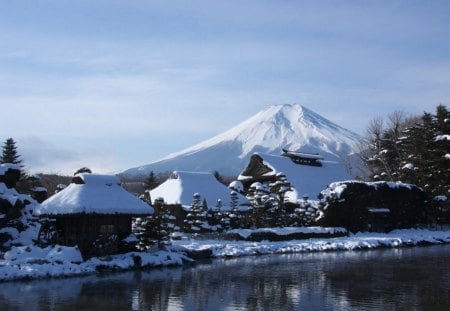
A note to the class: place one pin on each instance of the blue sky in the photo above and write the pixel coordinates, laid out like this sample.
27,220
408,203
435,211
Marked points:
116,84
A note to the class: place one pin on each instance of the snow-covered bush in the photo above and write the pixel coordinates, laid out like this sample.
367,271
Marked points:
18,227
358,205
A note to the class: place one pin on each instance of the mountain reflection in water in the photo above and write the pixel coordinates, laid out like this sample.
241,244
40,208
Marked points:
394,279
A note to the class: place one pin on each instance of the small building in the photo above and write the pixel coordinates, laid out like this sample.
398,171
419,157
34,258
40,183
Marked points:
304,158
93,212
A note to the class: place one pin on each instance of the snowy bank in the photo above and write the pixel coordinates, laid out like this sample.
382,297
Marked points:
359,241
284,234
31,262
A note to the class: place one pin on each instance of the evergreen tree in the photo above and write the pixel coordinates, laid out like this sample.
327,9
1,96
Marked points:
259,198
417,153
233,200
278,191
9,152
234,215
144,230
151,181
196,218
154,229
162,223
25,184
427,147
216,215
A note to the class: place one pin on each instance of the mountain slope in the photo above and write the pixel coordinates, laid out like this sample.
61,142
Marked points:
293,127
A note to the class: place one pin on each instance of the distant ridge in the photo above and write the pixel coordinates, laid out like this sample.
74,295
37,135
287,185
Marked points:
292,127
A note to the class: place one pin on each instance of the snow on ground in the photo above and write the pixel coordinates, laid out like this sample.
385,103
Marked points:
28,262
359,241
31,262
245,233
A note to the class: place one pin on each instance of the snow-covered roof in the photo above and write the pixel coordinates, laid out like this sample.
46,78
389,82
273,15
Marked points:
92,193
306,155
181,186
306,179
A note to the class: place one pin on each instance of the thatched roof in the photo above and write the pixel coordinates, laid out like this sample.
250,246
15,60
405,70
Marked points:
94,194
306,179
181,186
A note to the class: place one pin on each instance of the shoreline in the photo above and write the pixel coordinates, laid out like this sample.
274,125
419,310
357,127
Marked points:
184,251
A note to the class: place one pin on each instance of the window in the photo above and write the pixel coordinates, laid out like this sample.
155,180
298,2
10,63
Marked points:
107,229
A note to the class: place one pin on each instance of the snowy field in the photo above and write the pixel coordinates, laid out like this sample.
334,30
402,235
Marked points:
30,262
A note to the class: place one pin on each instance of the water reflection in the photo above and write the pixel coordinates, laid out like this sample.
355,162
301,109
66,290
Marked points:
403,279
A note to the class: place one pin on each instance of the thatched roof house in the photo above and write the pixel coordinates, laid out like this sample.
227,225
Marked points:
309,174
93,212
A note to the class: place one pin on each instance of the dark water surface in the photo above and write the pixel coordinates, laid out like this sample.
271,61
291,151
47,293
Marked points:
394,279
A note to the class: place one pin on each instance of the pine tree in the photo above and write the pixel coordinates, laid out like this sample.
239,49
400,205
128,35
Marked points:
25,183
154,229
278,191
418,153
425,163
144,230
234,215
151,182
161,223
195,219
9,152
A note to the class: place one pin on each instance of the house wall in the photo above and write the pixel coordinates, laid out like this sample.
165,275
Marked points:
94,234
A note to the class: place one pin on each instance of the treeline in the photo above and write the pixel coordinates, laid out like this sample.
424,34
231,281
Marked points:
414,150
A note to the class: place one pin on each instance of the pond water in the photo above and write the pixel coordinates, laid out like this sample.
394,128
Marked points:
393,279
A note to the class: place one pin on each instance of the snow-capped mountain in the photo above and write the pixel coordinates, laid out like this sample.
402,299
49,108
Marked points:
292,127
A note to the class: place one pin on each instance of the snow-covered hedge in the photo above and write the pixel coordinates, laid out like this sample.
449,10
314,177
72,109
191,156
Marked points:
350,204
284,234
